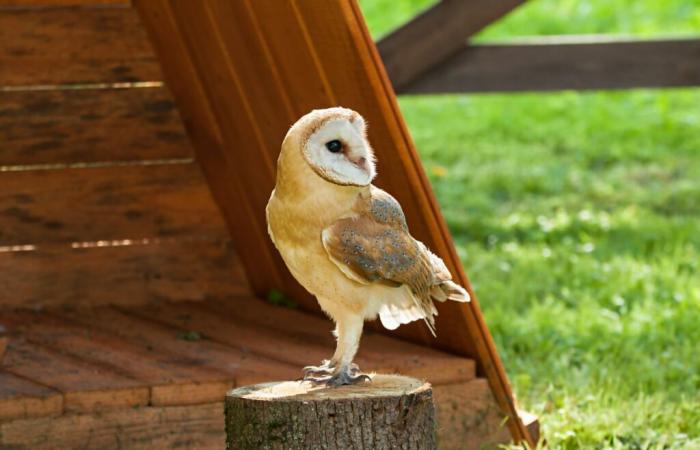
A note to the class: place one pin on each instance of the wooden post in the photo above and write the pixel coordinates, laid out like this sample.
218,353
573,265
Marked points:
391,411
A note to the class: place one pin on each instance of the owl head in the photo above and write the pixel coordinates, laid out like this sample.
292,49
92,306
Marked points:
334,144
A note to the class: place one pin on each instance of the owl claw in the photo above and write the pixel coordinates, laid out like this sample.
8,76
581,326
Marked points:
347,377
326,368
333,378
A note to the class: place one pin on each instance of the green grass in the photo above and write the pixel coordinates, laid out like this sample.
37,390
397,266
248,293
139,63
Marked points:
577,216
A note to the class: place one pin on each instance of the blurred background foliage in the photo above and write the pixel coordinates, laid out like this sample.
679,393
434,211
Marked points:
577,217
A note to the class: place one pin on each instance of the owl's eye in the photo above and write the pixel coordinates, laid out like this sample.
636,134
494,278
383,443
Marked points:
334,146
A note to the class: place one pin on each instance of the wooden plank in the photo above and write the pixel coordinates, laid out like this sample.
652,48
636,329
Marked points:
172,379
21,399
65,45
193,427
339,54
436,34
85,387
90,125
99,204
308,339
223,328
483,426
242,365
150,428
125,275
219,163
557,63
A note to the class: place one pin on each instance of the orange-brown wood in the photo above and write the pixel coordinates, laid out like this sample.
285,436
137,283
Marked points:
171,360
183,269
380,352
305,339
340,66
483,428
132,202
85,386
21,398
90,125
172,381
246,337
221,167
192,427
243,366
72,45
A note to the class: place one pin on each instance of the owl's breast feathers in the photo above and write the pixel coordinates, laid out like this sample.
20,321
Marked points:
374,246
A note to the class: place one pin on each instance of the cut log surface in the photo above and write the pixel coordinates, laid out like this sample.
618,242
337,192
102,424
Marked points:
391,411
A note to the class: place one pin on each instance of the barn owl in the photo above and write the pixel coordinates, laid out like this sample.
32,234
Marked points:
346,241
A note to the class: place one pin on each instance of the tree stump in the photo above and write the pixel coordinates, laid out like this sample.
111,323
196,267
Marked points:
390,412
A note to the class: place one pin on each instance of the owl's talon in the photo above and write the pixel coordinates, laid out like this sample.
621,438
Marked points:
348,375
326,368
318,381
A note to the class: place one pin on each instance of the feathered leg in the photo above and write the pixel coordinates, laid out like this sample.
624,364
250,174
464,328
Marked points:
342,370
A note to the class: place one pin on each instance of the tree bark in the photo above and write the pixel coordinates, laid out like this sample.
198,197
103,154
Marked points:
390,412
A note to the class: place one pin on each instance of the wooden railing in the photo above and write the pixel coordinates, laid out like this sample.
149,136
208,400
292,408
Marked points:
431,54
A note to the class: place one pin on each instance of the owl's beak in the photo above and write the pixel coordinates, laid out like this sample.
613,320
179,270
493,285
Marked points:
361,162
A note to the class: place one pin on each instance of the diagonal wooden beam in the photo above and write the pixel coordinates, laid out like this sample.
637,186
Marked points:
436,34
555,63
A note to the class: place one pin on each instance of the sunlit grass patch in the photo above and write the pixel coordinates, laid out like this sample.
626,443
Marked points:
577,217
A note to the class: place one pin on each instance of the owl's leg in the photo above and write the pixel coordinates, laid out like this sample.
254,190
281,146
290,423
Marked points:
328,366
349,331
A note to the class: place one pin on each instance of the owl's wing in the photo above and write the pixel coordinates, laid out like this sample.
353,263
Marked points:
374,246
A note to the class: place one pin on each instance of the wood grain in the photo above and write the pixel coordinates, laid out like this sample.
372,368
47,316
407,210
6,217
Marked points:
132,202
147,428
172,380
85,386
243,366
553,64
377,352
90,125
75,45
338,55
395,412
220,165
21,398
124,343
125,275
436,34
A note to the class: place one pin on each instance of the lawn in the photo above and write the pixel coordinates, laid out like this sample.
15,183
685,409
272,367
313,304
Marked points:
577,217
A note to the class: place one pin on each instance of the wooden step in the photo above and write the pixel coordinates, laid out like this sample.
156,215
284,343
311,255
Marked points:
172,380
21,398
85,387
377,351
466,416
194,427
153,371
244,367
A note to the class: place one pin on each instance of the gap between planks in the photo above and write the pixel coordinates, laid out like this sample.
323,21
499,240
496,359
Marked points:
105,358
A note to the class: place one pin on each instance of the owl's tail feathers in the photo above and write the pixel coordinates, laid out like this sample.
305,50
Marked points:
448,290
